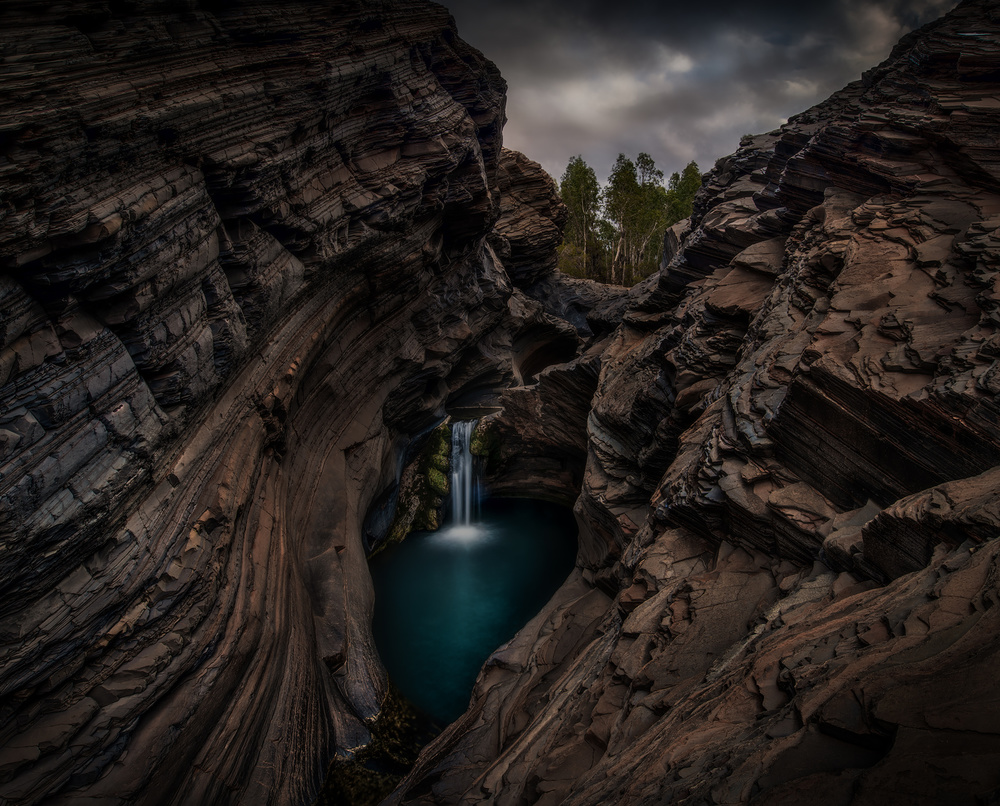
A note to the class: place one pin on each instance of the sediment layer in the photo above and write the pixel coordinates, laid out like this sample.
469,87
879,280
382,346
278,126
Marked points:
249,255
786,583
243,264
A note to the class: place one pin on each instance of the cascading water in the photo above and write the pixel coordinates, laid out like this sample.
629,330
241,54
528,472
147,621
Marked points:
464,485
445,599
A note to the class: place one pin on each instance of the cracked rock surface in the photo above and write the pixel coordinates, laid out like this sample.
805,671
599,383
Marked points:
786,585
250,252
243,262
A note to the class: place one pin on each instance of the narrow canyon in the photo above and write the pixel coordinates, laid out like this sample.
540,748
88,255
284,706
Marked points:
252,253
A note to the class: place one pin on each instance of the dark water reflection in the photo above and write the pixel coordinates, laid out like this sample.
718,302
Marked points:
445,600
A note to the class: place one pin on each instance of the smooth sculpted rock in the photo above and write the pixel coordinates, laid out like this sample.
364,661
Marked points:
786,582
242,263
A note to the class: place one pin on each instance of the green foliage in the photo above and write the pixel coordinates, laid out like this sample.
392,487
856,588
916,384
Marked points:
635,203
581,194
615,234
572,260
681,191
422,488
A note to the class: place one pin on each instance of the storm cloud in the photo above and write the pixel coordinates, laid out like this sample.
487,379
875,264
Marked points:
681,81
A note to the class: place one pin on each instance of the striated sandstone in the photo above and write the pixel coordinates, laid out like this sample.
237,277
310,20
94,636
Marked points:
243,265
249,255
531,219
785,590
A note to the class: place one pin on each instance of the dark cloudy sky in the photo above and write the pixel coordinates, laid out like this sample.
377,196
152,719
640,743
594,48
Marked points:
679,80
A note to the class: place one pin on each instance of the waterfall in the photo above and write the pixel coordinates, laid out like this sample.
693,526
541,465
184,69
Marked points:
464,487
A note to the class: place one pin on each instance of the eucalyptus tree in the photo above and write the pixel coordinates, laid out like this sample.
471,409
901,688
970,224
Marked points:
681,190
635,202
615,233
580,193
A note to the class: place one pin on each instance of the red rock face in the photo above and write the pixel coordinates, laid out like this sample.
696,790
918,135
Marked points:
243,262
531,220
786,582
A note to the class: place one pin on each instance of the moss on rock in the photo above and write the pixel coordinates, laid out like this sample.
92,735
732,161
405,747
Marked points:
486,445
438,481
422,488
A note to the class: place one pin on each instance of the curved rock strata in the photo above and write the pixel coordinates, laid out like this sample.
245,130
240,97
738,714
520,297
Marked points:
243,264
786,586
249,255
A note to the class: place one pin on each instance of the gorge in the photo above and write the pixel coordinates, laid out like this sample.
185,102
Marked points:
253,253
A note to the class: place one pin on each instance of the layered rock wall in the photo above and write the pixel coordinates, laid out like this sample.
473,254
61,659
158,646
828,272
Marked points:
786,586
244,262
249,255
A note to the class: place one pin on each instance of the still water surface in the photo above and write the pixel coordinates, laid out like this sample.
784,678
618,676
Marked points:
445,600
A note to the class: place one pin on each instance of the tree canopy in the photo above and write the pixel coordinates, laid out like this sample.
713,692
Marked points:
615,233
680,193
581,194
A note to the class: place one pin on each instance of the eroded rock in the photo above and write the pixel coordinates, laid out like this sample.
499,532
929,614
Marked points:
243,263
788,510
